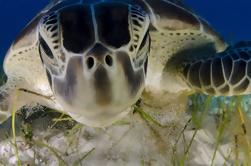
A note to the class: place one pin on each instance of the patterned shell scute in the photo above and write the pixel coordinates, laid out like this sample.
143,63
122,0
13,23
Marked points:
227,73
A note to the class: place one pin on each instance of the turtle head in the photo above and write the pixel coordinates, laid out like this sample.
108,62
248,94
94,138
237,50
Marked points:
96,59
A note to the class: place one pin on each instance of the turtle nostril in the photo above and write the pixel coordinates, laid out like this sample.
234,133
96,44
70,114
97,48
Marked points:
90,62
108,60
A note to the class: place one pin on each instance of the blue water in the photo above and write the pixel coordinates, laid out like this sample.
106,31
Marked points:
229,17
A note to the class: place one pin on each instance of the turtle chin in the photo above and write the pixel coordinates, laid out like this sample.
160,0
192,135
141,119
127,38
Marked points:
102,96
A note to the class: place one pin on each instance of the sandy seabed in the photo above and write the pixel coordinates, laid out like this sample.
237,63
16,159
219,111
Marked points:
136,140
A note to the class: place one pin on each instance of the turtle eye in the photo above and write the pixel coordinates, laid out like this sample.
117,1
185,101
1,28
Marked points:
44,48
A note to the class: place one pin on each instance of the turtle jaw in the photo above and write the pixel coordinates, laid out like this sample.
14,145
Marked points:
98,96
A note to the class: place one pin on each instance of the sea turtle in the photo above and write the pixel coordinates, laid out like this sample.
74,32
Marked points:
92,59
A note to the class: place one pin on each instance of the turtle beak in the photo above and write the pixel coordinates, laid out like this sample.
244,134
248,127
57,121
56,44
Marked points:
99,86
88,77
99,63
80,84
102,84
99,76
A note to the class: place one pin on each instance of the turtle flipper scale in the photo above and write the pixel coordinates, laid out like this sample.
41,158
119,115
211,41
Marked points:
225,74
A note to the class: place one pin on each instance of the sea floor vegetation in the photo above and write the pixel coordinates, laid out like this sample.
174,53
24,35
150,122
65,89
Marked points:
202,131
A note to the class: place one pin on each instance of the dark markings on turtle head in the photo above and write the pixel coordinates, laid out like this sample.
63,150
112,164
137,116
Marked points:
49,77
40,54
112,21
98,51
77,28
72,73
239,71
54,28
102,85
145,65
144,41
66,88
51,22
217,72
45,48
136,22
52,15
134,78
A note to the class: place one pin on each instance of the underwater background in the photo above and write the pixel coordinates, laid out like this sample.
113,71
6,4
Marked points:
230,18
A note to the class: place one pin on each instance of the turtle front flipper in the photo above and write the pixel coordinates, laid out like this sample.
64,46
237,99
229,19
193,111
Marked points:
225,74
174,30
14,95
8,95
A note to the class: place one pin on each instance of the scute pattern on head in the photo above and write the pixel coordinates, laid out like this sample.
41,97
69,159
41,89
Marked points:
139,23
50,28
77,28
112,23
50,43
